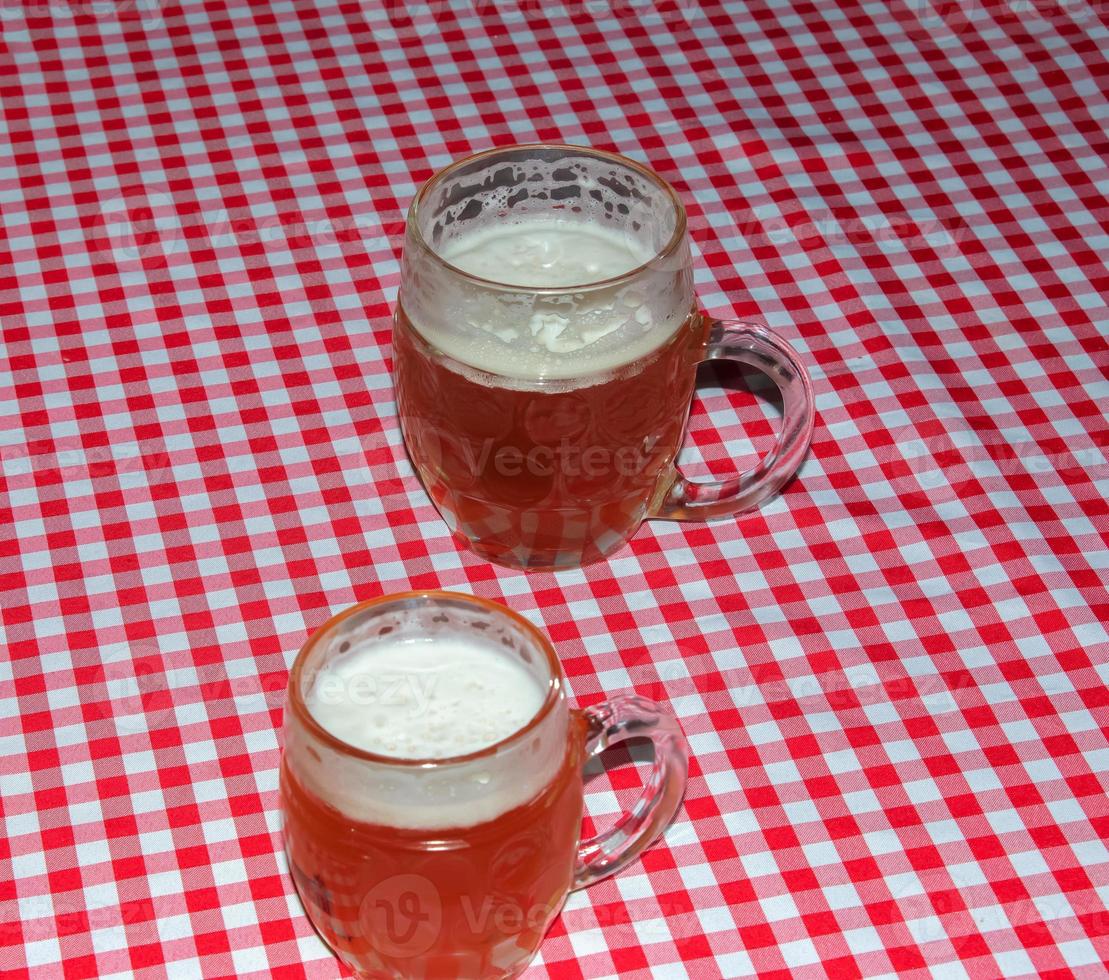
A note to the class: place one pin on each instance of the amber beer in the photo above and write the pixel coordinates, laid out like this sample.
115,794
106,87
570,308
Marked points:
463,902
425,842
544,474
545,345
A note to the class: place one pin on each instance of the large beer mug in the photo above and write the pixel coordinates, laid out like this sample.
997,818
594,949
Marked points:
431,784
545,345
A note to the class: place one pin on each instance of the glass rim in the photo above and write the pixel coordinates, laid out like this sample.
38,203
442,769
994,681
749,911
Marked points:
304,717
672,244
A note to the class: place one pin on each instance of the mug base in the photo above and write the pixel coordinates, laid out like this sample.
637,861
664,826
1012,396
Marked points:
528,560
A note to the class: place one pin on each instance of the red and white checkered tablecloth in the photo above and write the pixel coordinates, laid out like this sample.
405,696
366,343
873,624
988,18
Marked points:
893,677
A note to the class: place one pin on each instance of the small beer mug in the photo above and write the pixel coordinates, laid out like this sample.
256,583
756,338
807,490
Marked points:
432,789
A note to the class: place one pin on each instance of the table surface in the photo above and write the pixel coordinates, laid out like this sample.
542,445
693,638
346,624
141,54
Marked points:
893,677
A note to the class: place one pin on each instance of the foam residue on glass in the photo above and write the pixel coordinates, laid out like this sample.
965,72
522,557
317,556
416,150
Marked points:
568,224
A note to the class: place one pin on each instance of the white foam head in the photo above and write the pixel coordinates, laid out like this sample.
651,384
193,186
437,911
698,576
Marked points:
415,681
547,252
549,233
424,699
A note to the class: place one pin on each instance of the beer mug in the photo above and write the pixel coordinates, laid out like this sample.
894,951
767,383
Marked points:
546,343
432,787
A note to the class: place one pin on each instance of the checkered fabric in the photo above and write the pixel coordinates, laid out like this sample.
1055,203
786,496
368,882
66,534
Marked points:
893,677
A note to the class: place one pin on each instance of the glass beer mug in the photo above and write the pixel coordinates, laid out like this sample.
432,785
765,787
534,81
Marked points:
431,784
545,345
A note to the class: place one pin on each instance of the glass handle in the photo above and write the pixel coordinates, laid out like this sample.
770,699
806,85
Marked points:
759,347
610,724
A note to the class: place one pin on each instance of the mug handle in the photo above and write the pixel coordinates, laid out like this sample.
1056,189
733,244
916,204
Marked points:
759,347
610,724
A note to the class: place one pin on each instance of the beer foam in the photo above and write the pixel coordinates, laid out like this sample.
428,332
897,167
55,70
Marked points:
546,253
514,330
424,699
427,689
